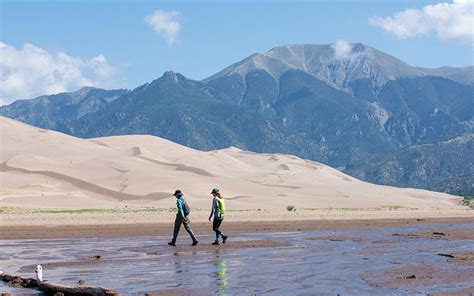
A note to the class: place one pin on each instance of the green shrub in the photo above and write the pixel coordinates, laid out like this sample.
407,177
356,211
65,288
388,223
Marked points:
468,201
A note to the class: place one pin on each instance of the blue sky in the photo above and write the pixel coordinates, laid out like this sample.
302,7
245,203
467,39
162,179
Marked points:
112,45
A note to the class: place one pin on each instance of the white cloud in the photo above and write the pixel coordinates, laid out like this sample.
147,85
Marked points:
104,72
450,21
165,23
33,71
342,49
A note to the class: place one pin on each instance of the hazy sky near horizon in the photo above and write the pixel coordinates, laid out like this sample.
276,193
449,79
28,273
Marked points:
53,46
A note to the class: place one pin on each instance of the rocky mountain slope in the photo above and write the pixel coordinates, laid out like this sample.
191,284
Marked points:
443,166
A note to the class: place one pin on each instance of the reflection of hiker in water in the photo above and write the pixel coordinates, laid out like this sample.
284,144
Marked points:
217,210
221,272
182,218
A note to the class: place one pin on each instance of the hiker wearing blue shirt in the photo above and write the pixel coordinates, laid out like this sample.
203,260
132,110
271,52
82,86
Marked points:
182,218
217,210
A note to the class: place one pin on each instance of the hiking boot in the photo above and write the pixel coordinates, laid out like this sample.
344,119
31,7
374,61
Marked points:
216,243
172,244
195,243
224,239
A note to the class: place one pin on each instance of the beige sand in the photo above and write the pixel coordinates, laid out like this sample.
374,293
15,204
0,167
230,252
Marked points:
46,169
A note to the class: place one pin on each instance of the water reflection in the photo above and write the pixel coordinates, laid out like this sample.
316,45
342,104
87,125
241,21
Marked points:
180,269
220,263
307,266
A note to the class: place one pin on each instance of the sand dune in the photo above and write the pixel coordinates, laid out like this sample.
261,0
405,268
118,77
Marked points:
38,165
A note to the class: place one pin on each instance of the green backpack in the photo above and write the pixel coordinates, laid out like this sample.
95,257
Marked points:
221,206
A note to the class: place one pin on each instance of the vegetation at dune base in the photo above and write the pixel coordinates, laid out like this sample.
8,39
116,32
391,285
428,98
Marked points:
13,210
468,201
3,210
20,210
381,208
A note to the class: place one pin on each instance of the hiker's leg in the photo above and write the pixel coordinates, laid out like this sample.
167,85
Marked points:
221,233
177,226
215,226
187,226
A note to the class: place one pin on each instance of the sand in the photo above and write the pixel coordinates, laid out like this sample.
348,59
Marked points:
417,275
448,234
205,247
463,292
373,251
165,229
52,182
462,258
43,169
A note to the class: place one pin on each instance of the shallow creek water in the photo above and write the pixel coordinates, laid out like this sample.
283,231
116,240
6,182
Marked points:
305,265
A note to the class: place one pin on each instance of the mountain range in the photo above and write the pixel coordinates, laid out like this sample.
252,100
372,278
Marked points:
363,111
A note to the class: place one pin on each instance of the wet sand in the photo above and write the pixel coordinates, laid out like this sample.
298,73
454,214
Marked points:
336,238
414,276
205,246
457,234
179,292
133,230
463,258
468,291
51,265
417,275
157,250
374,256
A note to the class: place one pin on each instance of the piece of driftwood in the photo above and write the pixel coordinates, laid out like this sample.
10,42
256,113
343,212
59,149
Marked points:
50,288
18,282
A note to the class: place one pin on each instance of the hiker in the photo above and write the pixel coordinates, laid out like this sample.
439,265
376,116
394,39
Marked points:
217,210
182,218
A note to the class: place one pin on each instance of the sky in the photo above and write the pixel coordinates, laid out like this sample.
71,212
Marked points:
48,47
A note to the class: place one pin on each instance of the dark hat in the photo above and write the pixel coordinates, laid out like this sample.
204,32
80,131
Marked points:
215,190
178,193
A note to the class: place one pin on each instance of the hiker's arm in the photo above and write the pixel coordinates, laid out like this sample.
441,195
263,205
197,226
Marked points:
212,210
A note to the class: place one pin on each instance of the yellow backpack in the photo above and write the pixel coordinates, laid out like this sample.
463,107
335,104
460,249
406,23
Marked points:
221,206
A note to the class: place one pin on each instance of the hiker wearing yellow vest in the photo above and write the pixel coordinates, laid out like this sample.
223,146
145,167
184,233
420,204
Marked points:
217,210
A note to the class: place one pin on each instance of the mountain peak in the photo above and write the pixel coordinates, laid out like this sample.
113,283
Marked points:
338,64
86,88
172,76
84,91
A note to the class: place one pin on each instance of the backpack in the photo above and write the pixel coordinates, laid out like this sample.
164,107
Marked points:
221,206
186,208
